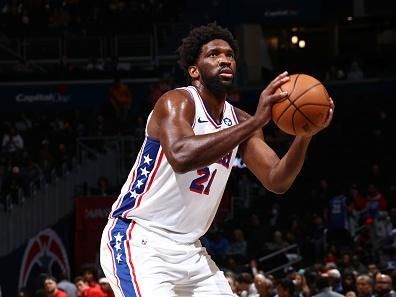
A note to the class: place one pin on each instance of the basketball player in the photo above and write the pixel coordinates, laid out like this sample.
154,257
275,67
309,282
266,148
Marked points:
150,246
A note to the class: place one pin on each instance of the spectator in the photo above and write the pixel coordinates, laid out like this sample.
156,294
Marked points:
335,280
67,286
238,244
157,90
105,286
12,141
121,99
218,246
103,188
372,269
244,285
301,287
348,281
51,288
355,72
84,290
383,286
264,286
364,286
285,288
90,274
231,281
324,289
389,246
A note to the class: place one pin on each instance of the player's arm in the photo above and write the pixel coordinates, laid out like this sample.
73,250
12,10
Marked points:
171,123
277,175
172,119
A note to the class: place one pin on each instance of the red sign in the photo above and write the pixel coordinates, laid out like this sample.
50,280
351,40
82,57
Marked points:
91,217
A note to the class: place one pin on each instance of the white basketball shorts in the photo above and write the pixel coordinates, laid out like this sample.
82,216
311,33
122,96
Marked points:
140,263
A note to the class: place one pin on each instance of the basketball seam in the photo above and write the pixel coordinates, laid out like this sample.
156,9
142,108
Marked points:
307,118
298,97
287,97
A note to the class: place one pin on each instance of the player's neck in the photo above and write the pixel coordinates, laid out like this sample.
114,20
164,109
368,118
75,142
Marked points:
213,102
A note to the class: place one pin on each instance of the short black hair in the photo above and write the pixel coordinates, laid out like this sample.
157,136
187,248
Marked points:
191,46
288,285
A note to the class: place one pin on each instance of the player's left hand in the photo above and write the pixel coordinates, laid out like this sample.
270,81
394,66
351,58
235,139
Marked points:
330,115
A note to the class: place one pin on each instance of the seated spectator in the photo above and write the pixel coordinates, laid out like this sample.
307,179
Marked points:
104,188
121,99
355,72
348,281
300,285
51,288
105,286
389,246
231,281
244,285
285,288
67,286
383,286
364,286
238,245
12,141
85,290
263,285
324,288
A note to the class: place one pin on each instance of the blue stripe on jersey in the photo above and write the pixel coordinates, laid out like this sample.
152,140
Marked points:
143,171
122,270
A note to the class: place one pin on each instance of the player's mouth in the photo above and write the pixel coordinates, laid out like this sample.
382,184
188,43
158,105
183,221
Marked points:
226,73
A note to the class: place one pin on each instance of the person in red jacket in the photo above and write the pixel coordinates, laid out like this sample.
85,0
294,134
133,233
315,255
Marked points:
105,286
51,288
85,290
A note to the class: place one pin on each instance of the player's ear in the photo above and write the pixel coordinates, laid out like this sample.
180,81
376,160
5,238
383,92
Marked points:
193,72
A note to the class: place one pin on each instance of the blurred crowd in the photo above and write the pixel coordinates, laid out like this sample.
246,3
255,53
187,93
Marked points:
27,17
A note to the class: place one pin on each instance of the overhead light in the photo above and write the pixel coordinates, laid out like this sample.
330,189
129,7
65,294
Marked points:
294,39
349,18
301,43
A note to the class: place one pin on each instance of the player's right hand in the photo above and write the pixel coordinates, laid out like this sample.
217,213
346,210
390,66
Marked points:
268,98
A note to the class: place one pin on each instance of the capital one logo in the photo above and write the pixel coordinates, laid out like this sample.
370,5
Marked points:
46,251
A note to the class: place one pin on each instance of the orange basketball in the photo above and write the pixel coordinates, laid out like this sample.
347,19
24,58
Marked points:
306,107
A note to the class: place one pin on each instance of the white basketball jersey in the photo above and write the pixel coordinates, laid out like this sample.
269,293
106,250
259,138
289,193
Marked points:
178,206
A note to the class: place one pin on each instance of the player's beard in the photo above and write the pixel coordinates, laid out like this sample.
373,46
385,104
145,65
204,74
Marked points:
218,86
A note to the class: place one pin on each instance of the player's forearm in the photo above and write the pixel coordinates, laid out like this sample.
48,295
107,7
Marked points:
287,169
197,151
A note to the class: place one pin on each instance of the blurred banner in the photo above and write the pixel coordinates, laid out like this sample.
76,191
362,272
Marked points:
63,95
91,217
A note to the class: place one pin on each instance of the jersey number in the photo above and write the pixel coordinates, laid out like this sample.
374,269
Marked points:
198,184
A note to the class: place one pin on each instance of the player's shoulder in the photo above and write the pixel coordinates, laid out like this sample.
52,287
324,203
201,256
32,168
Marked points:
176,101
241,114
178,95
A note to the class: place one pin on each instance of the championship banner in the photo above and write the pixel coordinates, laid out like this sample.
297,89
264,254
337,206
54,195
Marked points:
91,217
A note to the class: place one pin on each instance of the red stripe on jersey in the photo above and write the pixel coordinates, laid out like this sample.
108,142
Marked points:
131,267
234,115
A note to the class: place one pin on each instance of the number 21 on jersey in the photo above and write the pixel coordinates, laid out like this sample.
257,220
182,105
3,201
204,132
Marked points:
203,182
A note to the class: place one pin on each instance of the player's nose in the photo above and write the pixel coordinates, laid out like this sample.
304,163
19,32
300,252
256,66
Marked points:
224,60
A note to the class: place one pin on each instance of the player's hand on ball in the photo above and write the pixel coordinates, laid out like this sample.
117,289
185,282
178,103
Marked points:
268,97
330,115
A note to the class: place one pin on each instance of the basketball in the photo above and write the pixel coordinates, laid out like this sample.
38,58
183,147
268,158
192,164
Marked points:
306,107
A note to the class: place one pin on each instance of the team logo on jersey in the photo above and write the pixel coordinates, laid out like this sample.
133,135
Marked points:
227,121
44,252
